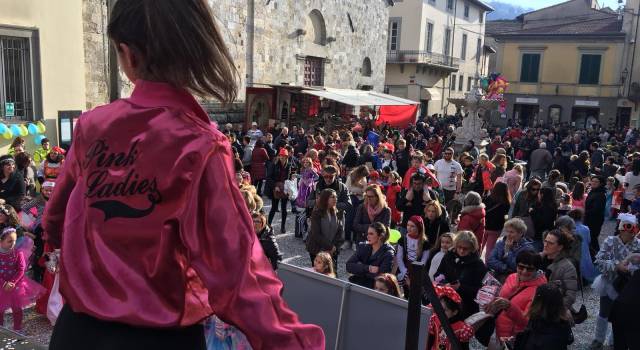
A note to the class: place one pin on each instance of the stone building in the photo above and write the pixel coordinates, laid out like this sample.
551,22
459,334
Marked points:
333,43
342,42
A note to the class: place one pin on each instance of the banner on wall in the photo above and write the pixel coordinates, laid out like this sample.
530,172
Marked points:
397,116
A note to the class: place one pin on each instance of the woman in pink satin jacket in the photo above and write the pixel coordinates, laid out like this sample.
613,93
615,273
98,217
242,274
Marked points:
154,232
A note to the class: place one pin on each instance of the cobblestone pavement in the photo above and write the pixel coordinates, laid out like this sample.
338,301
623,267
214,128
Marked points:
37,327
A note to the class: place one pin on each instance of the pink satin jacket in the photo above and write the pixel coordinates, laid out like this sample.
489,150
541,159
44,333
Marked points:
156,232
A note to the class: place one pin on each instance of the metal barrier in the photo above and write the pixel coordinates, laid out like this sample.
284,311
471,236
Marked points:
352,317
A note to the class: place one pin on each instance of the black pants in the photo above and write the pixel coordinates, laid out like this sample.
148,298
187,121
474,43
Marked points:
594,229
283,210
76,331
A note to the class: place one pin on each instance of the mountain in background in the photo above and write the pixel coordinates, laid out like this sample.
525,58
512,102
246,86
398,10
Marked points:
506,11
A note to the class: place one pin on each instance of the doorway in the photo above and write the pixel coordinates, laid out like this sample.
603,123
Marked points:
585,117
526,115
623,117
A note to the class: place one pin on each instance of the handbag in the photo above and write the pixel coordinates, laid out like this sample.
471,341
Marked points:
278,190
581,315
54,306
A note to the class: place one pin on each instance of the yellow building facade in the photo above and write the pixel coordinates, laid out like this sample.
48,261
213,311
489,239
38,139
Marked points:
43,63
562,70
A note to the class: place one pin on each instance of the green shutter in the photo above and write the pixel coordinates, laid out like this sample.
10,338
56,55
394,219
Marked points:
530,68
590,69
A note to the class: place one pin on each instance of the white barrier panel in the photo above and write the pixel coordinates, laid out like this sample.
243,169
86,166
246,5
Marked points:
351,316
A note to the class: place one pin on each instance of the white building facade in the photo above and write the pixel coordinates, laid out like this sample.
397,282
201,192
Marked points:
435,51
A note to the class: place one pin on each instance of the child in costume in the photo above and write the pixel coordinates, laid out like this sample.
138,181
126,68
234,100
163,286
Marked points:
17,290
223,336
452,304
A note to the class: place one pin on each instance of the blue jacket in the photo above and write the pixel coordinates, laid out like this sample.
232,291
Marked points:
358,264
499,263
587,269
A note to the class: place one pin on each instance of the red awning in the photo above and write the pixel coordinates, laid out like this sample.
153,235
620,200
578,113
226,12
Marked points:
397,116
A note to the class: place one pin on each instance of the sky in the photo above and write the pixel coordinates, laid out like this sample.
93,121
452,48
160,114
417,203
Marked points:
537,4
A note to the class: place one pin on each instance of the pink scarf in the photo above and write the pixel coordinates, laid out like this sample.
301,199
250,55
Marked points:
373,212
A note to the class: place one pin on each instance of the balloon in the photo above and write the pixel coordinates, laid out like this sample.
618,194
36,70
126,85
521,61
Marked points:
8,135
33,129
394,236
41,127
3,128
38,139
23,131
15,129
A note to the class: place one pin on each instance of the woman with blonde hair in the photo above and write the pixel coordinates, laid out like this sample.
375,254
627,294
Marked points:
435,220
373,209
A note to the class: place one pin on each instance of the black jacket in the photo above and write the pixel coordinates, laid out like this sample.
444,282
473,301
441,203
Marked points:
544,218
433,229
276,173
403,160
13,190
270,246
416,207
594,206
358,264
495,212
344,202
350,159
545,336
469,271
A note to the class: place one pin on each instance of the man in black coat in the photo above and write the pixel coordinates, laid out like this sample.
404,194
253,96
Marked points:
412,201
594,211
331,180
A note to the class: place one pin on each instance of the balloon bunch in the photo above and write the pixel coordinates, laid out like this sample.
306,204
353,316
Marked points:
15,130
494,87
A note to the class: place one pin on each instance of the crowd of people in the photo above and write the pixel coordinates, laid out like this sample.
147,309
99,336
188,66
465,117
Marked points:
510,229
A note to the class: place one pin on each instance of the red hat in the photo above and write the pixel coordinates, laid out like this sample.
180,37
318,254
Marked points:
417,220
283,152
58,150
446,291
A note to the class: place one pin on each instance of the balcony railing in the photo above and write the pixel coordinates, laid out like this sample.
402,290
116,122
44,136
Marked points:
423,57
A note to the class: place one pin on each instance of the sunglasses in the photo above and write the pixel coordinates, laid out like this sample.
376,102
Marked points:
526,268
627,227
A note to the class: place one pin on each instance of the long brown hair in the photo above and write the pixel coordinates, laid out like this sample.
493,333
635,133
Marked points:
179,43
323,202
391,283
500,193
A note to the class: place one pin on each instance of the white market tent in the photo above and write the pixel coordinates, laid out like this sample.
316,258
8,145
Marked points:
360,97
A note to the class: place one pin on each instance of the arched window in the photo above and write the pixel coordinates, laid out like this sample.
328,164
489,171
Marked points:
366,67
319,28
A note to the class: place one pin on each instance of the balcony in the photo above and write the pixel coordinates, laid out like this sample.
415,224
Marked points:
431,59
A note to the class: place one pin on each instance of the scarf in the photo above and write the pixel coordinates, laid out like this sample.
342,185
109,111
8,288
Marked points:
374,211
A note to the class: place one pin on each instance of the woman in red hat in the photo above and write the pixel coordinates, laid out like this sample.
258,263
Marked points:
277,174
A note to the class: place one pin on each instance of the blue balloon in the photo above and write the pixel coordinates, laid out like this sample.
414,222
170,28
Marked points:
15,129
3,128
33,129
38,139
